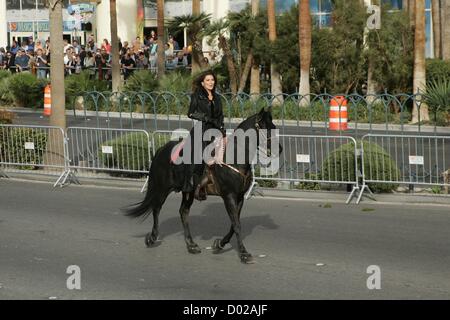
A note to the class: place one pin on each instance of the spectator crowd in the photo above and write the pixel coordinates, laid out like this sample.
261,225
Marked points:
35,57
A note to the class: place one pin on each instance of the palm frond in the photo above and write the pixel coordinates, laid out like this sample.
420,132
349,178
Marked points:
437,95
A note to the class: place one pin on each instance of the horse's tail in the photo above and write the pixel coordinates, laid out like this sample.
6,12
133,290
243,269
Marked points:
145,207
157,189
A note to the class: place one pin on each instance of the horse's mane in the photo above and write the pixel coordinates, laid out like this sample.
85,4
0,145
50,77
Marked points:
246,124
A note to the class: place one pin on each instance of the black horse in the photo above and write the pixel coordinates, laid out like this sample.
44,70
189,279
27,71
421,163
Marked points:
230,181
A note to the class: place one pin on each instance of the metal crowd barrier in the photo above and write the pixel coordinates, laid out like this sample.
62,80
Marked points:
312,161
31,148
416,160
161,137
107,150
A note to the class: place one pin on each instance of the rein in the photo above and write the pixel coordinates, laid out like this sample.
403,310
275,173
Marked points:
233,168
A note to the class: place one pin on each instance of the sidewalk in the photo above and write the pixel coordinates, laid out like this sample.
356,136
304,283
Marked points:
322,197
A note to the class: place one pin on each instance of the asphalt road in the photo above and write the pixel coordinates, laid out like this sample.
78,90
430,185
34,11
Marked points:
303,249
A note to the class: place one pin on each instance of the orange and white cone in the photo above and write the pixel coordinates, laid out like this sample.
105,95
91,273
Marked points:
47,101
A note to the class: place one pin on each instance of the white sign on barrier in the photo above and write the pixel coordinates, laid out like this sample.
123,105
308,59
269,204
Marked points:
107,149
416,160
303,158
29,145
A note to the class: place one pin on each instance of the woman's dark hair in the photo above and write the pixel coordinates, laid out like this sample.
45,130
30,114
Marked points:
197,83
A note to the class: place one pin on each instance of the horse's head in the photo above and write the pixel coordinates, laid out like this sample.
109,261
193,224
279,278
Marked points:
266,129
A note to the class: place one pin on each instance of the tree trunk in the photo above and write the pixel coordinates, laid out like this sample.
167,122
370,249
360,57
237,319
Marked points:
197,46
255,87
405,5
304,31
411,10
195,7
230,64
58,117
274,74
419,61
114,48
246,71
435,11
160,25
371,83
54,154
446,30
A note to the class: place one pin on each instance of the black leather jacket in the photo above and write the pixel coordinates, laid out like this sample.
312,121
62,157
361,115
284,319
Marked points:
209,112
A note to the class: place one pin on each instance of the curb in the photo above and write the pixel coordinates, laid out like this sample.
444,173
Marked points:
258,193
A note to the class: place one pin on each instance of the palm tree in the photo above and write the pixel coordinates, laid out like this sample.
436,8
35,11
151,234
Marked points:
58,117
405,4
274,74
55,152
114,47
245,25
446,30
195,7
412,9
197,47
255,87
435,11
419,80
218,29
160,41
194,24
304,31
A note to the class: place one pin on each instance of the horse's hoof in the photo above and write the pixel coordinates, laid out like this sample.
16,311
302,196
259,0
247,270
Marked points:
194,249
150,239
247,258
216,246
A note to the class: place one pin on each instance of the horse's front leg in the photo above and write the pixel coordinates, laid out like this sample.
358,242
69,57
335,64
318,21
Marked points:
219,244
233,209
186,203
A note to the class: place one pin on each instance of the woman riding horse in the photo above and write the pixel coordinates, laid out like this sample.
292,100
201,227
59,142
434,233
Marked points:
205,107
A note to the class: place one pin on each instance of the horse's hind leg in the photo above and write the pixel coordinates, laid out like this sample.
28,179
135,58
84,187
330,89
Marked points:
219,244
233,209
186,203
152,237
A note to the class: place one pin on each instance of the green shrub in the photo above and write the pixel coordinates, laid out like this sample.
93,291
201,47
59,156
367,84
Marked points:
437,69
309,185
128,152
340,166
5,95
264,183
26,89
82,82
175,81
141,80
14,150
4,74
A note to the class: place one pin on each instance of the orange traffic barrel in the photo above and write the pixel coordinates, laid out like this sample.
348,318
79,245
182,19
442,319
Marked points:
47,101
338,113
